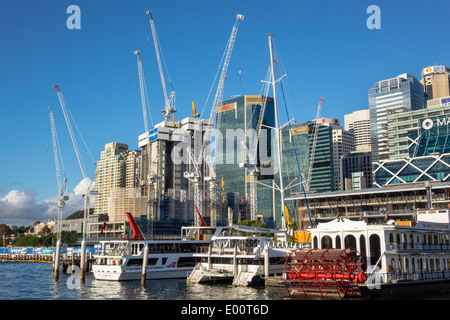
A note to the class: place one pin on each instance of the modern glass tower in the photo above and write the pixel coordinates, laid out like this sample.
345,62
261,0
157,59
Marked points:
297,145
237,120
403,91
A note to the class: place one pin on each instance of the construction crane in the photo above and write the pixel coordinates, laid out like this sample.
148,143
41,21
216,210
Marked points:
218,99
143,88
195,177
62,197
169,101
313,149
88,191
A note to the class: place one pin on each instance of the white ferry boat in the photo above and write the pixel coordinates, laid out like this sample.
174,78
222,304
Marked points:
123,259
241,259
401,258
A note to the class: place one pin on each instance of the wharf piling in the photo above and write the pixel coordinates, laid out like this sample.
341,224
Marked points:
144,266
56,260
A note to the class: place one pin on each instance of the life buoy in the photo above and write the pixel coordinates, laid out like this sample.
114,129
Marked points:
389,268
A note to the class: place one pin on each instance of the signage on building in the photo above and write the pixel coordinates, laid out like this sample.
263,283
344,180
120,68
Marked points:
445,102
300,130
434,69
427,70
427,124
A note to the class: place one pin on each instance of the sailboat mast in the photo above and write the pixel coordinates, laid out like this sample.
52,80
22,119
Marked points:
278,136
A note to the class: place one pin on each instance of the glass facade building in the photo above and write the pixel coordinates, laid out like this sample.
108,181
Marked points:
401,92
428,154
297,143
237,120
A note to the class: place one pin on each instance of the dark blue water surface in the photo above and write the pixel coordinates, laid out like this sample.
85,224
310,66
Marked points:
34,281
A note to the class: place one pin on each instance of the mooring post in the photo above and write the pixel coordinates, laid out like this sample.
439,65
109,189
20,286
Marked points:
266,260
83,261
56,260
235,261
144,265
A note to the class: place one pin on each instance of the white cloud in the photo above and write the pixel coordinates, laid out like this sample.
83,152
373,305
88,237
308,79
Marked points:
20,208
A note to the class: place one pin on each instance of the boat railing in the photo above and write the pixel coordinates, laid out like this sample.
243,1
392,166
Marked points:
241,250
417,247
399,276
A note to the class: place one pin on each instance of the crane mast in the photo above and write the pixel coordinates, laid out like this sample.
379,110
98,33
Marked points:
143,90
169,101
218,98
195,176
62,198
88,192
69,127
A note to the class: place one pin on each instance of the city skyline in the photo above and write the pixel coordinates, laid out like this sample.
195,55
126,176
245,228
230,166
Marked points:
326,50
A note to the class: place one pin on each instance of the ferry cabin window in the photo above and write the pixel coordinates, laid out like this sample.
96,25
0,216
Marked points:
255,262
186,262
138,262
171,247
315,245
362,246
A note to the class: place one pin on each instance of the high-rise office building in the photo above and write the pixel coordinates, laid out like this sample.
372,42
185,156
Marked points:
356,170
403,125
301,136
358,122
237,120
343,143
403,91
436,83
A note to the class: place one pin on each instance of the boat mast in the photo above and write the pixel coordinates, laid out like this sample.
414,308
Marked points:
277,135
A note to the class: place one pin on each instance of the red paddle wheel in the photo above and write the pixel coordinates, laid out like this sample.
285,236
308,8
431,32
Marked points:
324,272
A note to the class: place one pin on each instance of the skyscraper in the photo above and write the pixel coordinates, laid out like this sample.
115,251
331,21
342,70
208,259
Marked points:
403,91
343,143
237,120
358,122
436,82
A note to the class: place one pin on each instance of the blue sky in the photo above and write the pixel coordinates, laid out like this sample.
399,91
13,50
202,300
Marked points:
324,47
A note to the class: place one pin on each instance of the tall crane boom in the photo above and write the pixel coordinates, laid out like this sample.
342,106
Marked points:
62,197
143,90
69,126
169,101
229,49
218,98
313,150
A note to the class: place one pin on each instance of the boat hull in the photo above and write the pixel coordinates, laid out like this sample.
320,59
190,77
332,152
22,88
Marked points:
406,289
117,274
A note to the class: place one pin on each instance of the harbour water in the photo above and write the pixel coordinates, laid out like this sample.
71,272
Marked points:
34,281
